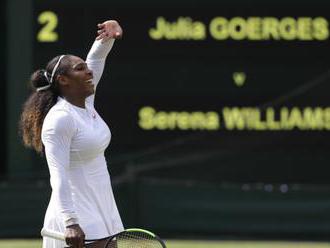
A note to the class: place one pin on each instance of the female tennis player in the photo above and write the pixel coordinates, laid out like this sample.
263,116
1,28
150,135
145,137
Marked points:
59,119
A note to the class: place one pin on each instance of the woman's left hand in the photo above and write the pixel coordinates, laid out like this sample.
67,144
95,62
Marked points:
109,30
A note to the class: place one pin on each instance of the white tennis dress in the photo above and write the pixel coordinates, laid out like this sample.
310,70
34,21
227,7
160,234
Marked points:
75,140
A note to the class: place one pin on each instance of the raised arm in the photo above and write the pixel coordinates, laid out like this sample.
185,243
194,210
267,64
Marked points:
107,32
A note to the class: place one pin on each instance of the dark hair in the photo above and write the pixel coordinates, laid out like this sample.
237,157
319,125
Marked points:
40,102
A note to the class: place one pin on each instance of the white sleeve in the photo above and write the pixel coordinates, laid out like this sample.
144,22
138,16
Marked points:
57,133
96,59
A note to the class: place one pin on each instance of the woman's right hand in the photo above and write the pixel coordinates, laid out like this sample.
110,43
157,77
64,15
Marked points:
74,236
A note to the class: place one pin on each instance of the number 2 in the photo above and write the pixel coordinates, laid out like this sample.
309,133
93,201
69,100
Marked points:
49,21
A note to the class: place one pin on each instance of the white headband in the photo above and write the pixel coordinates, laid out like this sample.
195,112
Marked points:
50,81
43,88
55,68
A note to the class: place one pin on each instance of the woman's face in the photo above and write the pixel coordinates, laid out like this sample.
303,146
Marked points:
78,79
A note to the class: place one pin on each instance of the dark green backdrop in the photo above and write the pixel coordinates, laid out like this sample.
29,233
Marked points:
175,188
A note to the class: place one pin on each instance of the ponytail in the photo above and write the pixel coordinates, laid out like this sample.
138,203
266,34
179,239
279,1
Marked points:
35,110
42,99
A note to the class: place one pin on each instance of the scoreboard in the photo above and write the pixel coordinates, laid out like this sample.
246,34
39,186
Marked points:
223,91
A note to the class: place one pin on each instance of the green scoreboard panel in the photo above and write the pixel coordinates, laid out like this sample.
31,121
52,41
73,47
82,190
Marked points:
223,91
